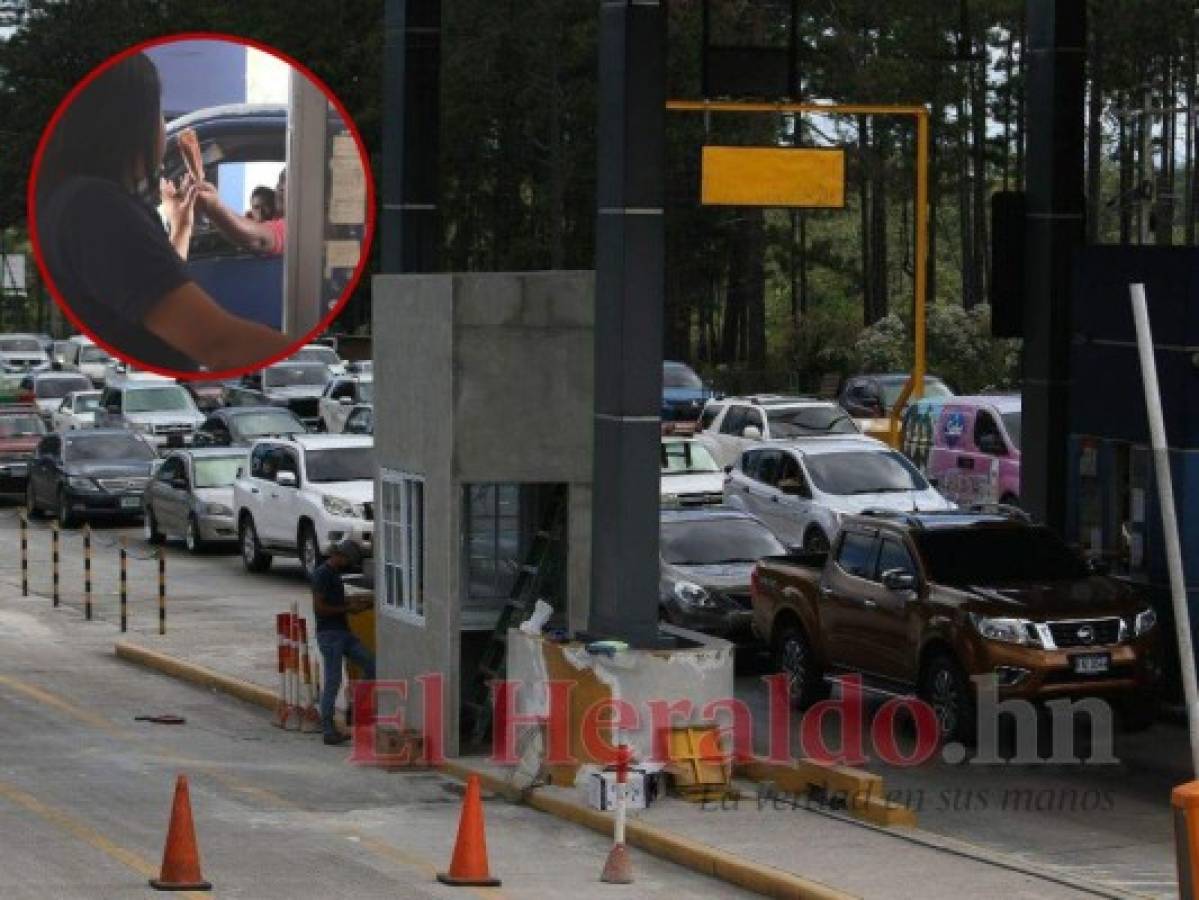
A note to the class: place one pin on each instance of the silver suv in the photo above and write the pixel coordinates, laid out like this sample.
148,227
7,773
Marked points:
160,409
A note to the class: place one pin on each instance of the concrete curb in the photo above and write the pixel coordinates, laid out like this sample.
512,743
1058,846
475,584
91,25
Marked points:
703,858
245,691
765,880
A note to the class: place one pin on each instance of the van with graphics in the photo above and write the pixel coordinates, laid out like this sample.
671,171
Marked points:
969,447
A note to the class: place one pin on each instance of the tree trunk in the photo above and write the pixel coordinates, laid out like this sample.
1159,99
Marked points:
1164,207
1020,94
1094,135
755,288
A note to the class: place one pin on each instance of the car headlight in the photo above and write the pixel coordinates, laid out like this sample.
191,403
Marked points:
335,506
217,509
693,596
1145,621
80,483
1009,631
141,427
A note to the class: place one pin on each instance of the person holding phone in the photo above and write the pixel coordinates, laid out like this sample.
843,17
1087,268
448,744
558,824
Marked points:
105,247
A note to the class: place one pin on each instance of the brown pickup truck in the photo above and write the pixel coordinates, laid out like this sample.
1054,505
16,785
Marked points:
924,602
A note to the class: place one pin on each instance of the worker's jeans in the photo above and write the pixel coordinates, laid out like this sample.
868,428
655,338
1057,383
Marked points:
335,645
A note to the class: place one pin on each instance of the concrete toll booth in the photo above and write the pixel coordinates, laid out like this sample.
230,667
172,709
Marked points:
483,429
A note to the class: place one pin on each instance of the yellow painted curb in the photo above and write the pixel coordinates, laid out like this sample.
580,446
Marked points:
703,858
197,675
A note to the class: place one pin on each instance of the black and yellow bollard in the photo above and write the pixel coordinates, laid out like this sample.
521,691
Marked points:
162,593
124,588
24,553
87,572
1185,801
54,560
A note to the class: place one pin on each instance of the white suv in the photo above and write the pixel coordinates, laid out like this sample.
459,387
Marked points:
801,489
730,425
300,495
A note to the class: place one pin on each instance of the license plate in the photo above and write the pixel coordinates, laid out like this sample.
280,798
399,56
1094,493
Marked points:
131,503
1091,663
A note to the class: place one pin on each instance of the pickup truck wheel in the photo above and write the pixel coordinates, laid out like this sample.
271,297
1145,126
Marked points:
191,538
793,657
947,690
31,507
252,556
66,518
815,541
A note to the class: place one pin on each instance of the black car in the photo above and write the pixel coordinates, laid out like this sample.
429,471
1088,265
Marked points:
708,557
240,426
295,385
873,396
90,473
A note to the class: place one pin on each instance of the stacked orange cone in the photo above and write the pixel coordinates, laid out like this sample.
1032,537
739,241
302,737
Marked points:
468,867
181,855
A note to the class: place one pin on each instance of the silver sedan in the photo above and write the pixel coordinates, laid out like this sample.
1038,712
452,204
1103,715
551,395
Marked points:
191,497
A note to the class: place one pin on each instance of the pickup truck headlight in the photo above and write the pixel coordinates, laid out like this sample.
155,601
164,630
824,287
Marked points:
1145,621
693,596
1009,631
79,483
335,506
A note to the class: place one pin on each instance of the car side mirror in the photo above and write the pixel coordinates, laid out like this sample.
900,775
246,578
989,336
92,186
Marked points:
752,432
899,580
286,479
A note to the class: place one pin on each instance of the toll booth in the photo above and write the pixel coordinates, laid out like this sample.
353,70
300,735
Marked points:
483,437
1113,510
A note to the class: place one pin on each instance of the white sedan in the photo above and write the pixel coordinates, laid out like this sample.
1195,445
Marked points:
77,410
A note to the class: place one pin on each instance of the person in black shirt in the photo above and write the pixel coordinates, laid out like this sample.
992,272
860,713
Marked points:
103,243
333,635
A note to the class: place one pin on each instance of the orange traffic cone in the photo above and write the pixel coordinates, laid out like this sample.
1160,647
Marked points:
181,856
469,864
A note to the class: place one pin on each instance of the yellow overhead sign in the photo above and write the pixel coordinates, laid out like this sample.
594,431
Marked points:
773,176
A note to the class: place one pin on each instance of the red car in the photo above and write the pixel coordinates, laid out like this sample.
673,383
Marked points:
21,427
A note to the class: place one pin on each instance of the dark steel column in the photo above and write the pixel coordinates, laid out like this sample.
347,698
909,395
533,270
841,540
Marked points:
1055,207
629,262
411,124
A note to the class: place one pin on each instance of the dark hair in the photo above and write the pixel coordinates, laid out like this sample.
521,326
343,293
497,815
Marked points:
108,129
263,191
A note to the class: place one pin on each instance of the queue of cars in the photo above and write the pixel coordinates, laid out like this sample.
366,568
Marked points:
786,527
207,463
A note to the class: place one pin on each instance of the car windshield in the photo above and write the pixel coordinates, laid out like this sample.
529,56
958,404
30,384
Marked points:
21,426
87,402
318,354
863,472
219,471
996,555
258,424
341,464
801,421
677,375
295,374
700,543
684,457
1011,421
19,345
57,388
170,398
103,447
934,389
94,355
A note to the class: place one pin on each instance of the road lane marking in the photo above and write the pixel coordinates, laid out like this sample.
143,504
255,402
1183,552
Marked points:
81,831
232,782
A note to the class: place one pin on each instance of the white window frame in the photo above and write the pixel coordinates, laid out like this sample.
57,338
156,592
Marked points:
399,525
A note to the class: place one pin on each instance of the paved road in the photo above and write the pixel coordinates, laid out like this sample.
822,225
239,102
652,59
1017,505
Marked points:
85,791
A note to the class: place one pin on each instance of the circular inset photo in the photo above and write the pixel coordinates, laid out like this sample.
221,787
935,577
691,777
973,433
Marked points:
201,206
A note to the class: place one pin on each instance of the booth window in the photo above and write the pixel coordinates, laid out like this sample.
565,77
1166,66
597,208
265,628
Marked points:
400,543
493,539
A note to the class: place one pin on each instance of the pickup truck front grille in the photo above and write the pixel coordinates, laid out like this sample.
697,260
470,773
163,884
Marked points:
1085,632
